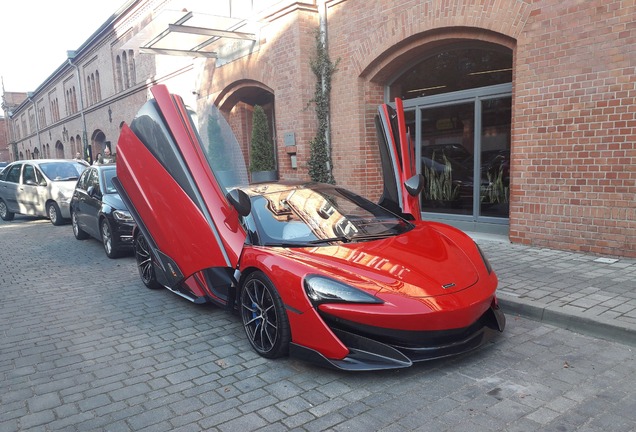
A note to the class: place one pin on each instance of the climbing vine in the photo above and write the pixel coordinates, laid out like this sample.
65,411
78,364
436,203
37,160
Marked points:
320,166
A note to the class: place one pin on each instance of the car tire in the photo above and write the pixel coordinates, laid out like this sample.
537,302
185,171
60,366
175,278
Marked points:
111,246
54,213
144,262
79,233
264,317
5,214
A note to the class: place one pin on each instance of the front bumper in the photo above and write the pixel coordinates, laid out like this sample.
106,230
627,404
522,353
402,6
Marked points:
372,348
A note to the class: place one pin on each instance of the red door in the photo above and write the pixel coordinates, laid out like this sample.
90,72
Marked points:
166,170
397,161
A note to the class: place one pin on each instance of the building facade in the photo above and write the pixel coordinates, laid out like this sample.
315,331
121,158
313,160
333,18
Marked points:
521,113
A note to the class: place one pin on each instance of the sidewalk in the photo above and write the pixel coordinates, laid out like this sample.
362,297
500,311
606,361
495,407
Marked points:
584,293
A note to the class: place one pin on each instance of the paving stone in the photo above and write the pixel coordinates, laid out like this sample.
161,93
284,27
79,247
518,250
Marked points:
111,354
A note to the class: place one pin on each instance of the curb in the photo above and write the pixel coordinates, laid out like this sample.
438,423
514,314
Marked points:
597,327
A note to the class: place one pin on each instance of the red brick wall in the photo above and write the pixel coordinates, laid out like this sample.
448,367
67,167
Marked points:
574,117
574,128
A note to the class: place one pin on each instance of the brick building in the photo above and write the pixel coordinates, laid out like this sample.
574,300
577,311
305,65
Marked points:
521,112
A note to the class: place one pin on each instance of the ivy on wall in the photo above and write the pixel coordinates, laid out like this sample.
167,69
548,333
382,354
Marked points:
320,166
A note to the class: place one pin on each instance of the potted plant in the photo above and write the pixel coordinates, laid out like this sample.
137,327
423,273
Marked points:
262,159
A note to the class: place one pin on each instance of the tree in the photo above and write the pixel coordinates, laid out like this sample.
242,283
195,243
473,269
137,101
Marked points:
261,146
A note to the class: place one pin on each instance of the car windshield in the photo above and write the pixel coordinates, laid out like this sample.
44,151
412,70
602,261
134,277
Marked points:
62,170
318,214
108,180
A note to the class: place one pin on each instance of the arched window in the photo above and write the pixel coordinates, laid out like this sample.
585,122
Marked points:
73,100
67,102
118,80
89,97
93,88
124,69
97,86
131,63
36,153
458,104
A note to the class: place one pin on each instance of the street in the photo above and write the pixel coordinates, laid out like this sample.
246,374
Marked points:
85,346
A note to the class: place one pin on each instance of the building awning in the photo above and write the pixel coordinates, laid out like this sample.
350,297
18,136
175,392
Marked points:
196,34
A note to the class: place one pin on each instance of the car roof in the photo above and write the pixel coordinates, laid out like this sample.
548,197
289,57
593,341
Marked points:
41,161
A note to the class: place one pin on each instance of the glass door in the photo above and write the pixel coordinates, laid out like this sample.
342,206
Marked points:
447,158
494,144
462,145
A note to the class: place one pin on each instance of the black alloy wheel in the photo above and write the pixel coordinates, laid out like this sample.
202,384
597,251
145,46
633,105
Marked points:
110,242
264,317
79,233
144,262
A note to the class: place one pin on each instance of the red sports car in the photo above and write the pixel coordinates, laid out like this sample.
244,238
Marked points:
314,270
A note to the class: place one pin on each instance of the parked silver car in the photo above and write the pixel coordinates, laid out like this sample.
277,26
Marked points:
40,187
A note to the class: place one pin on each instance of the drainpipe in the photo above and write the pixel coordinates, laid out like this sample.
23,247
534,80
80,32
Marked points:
322,14
71,56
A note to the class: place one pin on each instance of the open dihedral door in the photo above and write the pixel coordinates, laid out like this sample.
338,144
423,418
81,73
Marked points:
401,182
166,176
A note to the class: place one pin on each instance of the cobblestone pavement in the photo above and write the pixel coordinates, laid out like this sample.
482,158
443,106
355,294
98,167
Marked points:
589,294
84,346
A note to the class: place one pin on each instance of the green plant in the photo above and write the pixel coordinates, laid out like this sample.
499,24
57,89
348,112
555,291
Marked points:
261,146
320,165
496,191
439,184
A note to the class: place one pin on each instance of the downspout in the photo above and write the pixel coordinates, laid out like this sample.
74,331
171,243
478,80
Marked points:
322,14
87,155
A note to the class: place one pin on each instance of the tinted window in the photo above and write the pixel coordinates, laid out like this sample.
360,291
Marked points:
13,174
107,180
83,181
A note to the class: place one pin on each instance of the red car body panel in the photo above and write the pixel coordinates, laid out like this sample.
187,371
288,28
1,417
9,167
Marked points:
432,278
399,147
200,243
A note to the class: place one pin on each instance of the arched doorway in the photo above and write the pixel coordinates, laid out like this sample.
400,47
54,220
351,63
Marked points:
238,103
98,143
458,103
59,150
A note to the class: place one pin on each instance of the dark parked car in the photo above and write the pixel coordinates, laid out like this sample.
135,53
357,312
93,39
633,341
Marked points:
98,211
40,187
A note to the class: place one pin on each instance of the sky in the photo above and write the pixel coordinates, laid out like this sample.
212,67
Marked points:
35,35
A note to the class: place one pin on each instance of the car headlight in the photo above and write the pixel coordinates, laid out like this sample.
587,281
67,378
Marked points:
483,257
122,216
324,290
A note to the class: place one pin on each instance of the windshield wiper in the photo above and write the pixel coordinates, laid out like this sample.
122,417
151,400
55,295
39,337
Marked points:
365,237
342,239
307,243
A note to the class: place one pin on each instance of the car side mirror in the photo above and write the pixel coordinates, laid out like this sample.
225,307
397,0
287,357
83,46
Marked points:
93,192
240,201
415,184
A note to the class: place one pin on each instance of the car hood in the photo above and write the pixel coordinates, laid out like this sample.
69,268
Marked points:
66,187
114,200
419,263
